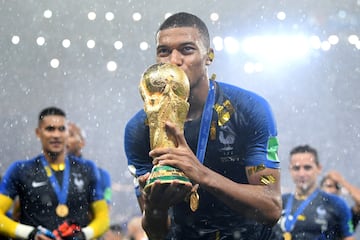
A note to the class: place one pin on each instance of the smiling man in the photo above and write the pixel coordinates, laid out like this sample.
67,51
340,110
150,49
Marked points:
53,189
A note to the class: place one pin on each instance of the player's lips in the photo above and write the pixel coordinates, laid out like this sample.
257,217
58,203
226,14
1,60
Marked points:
56,144
301,182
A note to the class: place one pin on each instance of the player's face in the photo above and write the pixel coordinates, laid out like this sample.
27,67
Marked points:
74,143
304,171
329,186
53,134
183,46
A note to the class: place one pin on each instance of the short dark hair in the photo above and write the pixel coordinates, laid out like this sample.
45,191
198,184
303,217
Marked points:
183,19
306,149
50,111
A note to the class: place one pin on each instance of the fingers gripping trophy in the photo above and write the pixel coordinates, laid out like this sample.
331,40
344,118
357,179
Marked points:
164,89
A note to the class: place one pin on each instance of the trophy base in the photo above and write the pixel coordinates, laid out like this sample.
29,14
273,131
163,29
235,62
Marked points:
166,174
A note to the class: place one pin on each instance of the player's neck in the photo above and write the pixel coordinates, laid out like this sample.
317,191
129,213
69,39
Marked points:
302,194
55,158
197,99
78,154
75,154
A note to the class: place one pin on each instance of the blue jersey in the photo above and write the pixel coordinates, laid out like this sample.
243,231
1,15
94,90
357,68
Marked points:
28,179
242,133
327,216
105,180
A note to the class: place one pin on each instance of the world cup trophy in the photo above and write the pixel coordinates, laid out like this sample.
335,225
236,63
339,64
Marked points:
164,89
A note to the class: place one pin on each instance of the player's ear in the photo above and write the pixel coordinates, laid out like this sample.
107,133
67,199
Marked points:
37,132
82,143
210,56
320,168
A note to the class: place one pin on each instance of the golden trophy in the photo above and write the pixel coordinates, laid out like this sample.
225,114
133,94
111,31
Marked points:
164,89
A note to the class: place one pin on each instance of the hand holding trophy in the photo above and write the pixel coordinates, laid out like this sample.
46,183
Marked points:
164,89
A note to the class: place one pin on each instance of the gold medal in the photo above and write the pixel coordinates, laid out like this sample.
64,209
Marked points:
62,210
287,236
194,201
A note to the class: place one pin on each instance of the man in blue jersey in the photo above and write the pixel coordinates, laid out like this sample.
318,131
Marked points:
76,143
56,192
310,213
237,179
334,182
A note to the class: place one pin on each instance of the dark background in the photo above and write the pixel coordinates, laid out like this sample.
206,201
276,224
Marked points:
315,98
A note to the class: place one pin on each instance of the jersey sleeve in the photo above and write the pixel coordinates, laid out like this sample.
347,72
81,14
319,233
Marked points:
106,184
101,221
9,182
262,146
137,145
346,225
96,190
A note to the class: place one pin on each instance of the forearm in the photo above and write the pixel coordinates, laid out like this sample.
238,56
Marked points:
353,191
259,202
14,229
9,227
155,223
100,222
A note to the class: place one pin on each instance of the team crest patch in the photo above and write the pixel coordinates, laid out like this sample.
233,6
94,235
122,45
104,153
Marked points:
78,181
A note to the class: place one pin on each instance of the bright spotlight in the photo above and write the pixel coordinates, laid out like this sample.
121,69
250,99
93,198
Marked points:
91,16
66,43
259,67
109,16
136,17
214,17
249,67
315,42
118,45
276,48
144,46
218,43
54,63
90,44
111,66
353,39
231,45
40,41
47,13
281,15
357,45
333,39
15,40
325,45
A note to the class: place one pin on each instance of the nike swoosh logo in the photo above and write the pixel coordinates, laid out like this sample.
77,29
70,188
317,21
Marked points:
38,184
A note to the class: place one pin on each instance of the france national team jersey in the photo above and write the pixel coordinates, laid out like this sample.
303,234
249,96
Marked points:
242,133
327,216
105,180
29,180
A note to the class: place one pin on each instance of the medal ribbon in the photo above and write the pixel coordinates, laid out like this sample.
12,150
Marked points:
63,192
289,223
205,123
